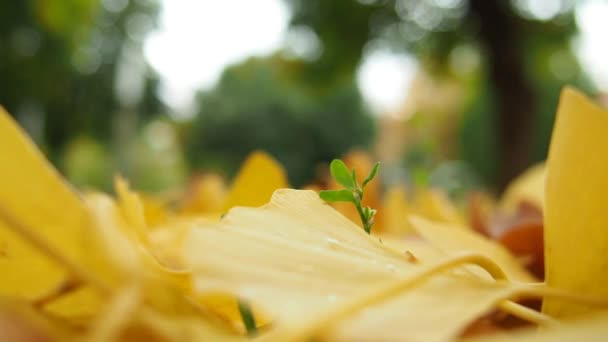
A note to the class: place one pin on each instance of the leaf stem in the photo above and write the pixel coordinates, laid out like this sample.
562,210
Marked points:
248,318
366,226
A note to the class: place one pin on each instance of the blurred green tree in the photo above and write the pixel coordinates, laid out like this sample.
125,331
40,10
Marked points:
65,67
525,51
264,103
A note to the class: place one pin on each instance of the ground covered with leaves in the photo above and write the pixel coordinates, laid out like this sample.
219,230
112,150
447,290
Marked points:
258,260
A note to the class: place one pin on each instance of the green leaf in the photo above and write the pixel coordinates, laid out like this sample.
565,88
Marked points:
337,196
355,178
248,318
372,213
367,213
341,174
372,174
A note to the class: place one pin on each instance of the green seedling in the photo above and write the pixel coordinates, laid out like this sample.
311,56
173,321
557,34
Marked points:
353,192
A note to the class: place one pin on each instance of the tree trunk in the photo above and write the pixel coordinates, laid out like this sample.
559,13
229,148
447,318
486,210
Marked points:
500,37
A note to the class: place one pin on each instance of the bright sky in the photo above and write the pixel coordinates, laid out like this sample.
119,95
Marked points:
198,38
592,20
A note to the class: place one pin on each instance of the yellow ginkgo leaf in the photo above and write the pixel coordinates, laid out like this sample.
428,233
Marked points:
45,229
158,246
137,259
225,305
394,212
20,322
151,325
435,205
26,272
78,306
167,240
415,248
589,329
312,270
156,209
528,187
258,178
292,234
112,231
452,239
206,195
454,303
132,209
156,266
576,219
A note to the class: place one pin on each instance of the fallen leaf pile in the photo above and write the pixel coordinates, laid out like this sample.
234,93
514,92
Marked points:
133,267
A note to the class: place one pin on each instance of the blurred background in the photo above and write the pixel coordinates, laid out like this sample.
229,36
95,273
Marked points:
457,94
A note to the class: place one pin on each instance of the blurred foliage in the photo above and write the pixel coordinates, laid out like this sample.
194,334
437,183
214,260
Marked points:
73,74
64,65
265,103
455,178
87,163
512,93
157,158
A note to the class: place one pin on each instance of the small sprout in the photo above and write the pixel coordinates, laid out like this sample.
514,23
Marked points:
248,318
353,192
